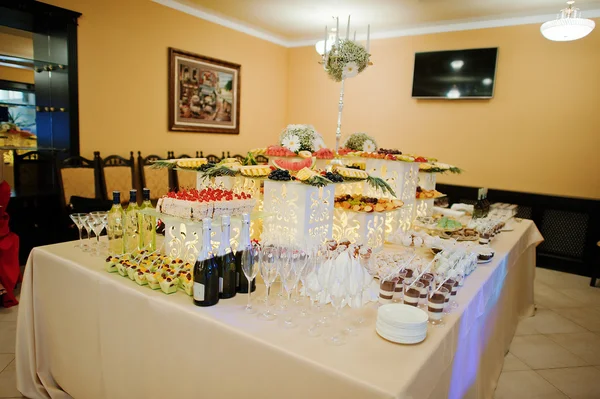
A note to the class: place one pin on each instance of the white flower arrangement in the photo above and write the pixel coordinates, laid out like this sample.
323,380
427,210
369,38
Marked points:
346,60
301,138
361,142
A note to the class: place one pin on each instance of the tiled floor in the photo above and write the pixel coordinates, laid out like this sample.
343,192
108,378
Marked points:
555,354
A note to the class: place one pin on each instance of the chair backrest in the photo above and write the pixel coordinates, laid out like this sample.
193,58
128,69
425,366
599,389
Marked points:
35,170
213,158
261,159
159,181
117,174
183,179
79,176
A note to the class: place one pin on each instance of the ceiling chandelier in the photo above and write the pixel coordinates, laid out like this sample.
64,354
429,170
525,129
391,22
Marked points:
568,25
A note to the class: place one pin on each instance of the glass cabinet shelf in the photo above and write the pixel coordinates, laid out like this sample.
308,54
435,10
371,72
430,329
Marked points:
28,63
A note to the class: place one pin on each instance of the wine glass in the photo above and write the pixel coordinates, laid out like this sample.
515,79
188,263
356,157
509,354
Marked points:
79,219
337,292
268,272
99,222
250,261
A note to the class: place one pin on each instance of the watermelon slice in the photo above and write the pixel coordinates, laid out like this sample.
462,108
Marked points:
294,166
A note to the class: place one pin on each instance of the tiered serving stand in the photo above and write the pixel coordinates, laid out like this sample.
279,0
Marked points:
293,212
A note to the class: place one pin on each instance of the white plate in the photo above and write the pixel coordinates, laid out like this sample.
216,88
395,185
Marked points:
400,334
410,341
401,315
402,326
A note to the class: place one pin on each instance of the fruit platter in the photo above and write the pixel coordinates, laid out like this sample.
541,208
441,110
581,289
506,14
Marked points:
385,154
423,194
360,203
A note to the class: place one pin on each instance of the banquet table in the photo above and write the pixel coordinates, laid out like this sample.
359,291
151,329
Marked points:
85,333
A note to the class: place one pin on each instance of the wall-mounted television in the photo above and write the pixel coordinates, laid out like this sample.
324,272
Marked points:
455,74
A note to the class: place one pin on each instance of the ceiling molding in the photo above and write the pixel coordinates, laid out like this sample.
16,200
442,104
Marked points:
437,27
227,22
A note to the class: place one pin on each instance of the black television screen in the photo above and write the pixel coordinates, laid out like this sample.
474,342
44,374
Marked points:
455,74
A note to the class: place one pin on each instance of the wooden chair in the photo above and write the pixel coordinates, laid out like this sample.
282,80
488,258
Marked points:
159,181
211,158
117,174
79,177
183,179
34,171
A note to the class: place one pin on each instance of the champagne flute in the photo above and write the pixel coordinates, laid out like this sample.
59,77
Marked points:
288,280
313,290
268,272
337,292
299,257
308,269
250,260
79,219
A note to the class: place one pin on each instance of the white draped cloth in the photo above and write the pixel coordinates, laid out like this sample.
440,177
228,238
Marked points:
85,333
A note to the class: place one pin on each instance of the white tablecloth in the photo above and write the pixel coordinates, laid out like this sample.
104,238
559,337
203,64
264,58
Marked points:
85,333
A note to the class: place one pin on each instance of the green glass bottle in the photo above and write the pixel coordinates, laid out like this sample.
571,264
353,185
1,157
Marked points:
132,233
147,224
114,226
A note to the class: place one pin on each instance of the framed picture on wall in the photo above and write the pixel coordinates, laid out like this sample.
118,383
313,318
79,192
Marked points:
204,94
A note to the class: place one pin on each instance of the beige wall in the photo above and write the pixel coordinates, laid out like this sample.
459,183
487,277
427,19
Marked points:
123,75
542,124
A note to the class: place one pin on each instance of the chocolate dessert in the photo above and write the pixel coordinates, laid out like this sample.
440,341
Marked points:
386,291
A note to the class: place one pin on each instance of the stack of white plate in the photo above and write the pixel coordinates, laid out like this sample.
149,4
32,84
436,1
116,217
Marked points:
402,324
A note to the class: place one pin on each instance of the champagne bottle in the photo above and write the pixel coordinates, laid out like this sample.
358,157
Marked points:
486,203
114,227
206,271
226,261
479,208
147,224
242,281
132,235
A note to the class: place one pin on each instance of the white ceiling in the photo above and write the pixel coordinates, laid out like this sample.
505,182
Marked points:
299,21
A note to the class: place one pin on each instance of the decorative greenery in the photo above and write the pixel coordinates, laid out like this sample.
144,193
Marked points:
250,160
298,138
343,59
318,181
163,164
380,184
219,171
356,142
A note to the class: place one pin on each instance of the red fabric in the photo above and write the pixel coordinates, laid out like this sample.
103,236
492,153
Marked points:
10,273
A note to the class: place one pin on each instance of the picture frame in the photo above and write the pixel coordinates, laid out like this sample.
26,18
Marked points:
204,94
